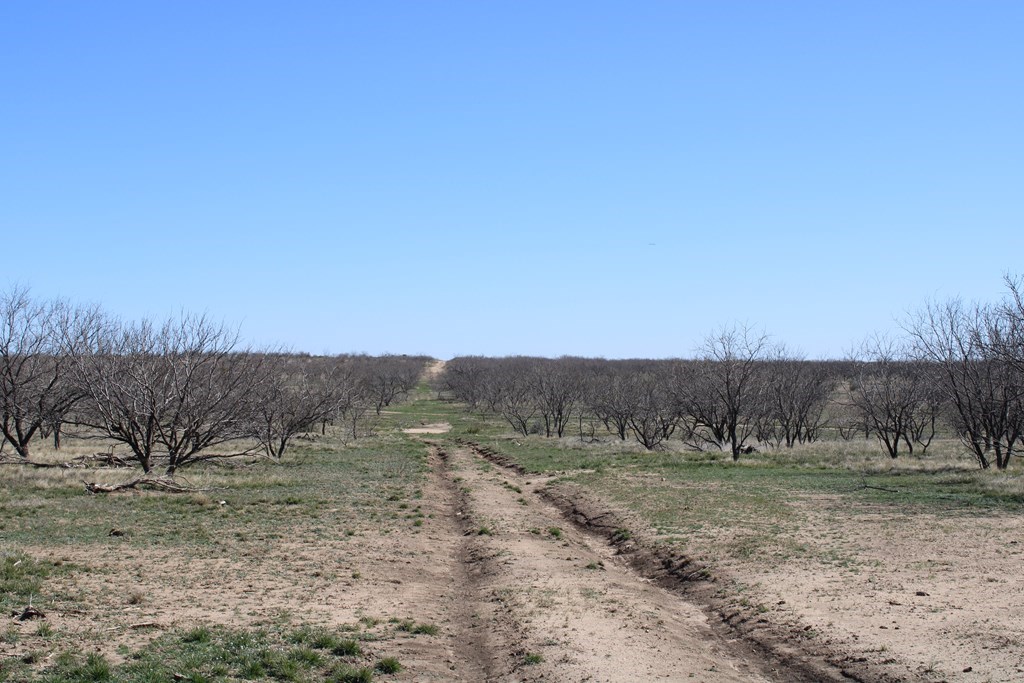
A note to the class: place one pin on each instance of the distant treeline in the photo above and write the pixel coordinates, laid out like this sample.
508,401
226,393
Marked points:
958,366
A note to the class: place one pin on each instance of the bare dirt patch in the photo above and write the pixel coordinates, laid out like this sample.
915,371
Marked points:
877,592
937,593
434,428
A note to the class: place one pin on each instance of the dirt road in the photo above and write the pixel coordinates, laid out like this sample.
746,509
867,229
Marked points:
537,599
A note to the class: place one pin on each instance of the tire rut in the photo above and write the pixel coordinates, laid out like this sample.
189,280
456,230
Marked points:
778,651
472,639
563,607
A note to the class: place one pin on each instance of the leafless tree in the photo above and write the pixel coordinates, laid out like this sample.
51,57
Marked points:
719,394
172,391
557,388
512,381
464,378
297,394
892,394
796,394
35,391
386,378
653,417
983,387
611,399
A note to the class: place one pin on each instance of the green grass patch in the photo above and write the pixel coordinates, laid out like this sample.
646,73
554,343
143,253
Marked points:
216,654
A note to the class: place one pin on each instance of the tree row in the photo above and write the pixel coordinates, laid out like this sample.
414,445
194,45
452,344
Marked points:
174,392
957,367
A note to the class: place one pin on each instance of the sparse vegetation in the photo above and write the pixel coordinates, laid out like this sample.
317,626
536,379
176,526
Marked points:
640,434
215,653
388,665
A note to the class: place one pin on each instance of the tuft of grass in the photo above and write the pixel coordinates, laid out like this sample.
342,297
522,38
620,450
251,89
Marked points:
199,635
410,626
347,648
555,532
532,658
305,655
343,673
71,669
388,665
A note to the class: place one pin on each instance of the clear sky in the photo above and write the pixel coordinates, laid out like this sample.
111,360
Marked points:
595,178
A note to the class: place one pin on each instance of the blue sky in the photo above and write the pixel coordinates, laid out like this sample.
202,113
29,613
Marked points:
592,178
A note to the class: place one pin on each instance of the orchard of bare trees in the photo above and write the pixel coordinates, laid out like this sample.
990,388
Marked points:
175,392
740,391
958,370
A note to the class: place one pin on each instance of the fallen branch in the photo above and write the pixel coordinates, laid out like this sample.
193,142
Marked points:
153,483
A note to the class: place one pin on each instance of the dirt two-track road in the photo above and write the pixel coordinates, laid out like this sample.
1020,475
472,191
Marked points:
537,599
527,595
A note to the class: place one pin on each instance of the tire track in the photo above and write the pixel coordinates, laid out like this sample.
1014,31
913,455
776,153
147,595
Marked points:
563,608
780,651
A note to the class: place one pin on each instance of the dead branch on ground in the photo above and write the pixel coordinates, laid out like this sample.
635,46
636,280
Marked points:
148,482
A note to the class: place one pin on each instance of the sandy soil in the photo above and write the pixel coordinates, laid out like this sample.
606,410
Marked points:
552,591
434,428
937,596
520,593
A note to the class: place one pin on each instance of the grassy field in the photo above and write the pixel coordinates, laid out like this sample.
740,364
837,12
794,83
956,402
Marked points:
700,498
102,567
62,551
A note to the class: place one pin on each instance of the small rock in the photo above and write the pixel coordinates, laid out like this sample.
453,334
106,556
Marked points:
921,594
968,669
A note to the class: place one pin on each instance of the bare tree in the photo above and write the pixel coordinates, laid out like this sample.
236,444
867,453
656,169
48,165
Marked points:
557,387
796,394
171,392
612,400
892,394
464,378
387,378
515,389
722,391
35,392
967,346
297,394
652,416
